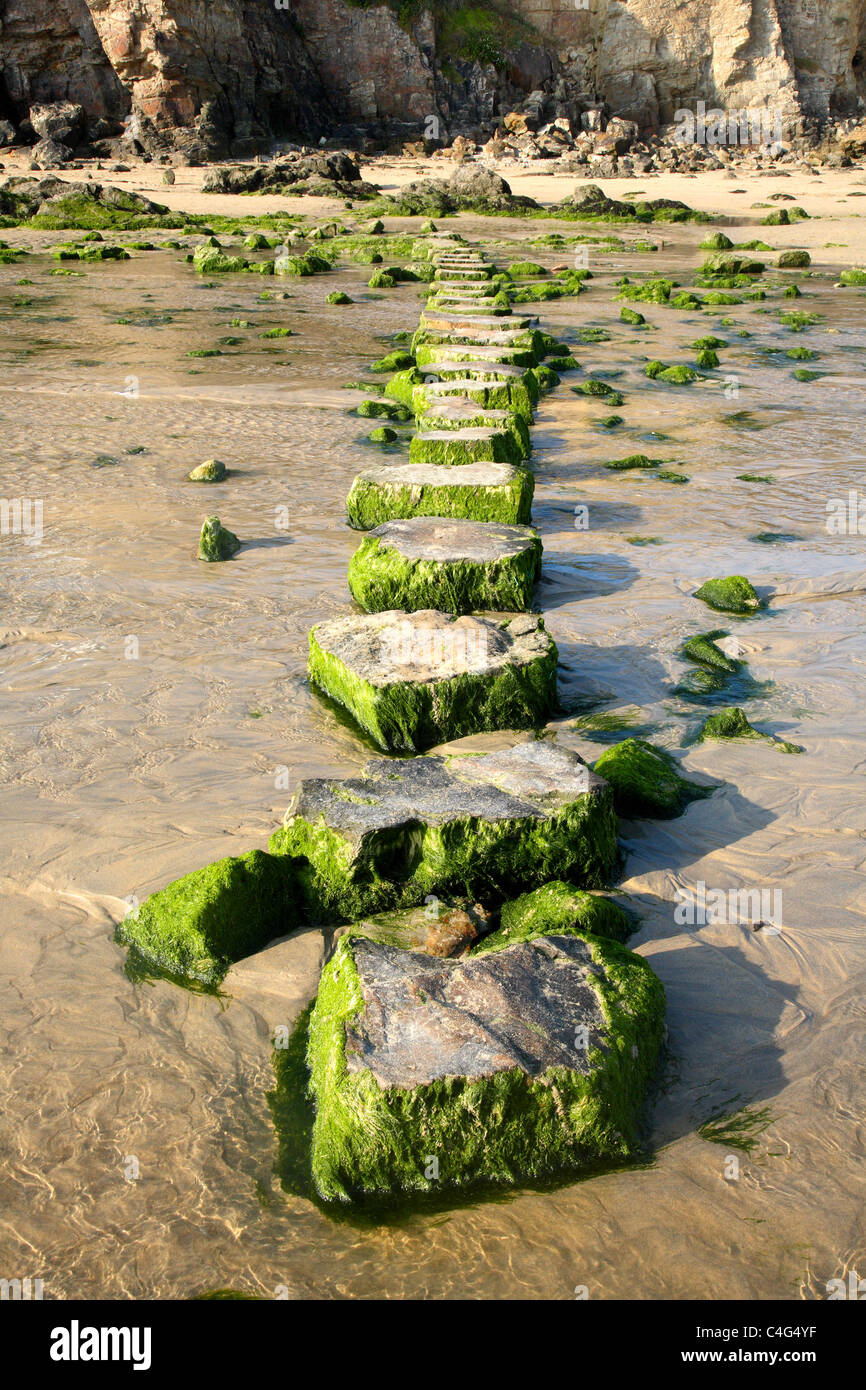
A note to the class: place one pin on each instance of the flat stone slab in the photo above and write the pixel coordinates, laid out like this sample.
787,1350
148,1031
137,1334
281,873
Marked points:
411,680
459,413
433,318
499,392
473,369
504,1067
478,491
489,826
447,564
427,353
459,446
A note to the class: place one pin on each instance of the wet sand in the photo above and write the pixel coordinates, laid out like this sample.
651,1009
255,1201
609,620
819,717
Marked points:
120,773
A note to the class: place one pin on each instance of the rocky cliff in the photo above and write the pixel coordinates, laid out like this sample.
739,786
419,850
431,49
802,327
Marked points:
217,77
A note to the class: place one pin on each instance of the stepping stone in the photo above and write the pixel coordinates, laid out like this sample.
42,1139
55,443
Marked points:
473,352
468,308
459,273
475,491
489,826
411,680
460,414
466,446
493,371
447,322
510,1065
445,563
502,393
482,289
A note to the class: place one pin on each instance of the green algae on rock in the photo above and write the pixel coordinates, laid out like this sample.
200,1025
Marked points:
436,929
733,594
645,780
561,909
403,1064
449,564
454,447
705,651
196,926
731,722
632,461
212,471
383,434
411,680
216,542
487,826
474,491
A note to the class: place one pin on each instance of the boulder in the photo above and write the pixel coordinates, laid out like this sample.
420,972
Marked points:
645,780
561,908
491,826
734,594
216,542
445,563
58,120
505,1067
477,491
49,154
411,680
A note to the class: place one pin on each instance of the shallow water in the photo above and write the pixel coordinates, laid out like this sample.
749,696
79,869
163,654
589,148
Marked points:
126,763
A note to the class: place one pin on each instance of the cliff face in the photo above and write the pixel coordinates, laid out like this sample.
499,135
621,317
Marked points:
226,75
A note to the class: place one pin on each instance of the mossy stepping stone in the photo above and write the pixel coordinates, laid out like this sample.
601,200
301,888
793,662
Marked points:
734,594
558,907
216,542
509,1066
466,446
447,322
462,414
446,563
475,491
196,926
411,680
489,826
474,353
458,273
500,393
645,780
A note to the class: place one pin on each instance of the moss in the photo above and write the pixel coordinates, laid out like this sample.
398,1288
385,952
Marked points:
213,471
794,260
196,926
383,434
755,478
708,357
716,241
667,475
593,387
397,361
653,369
801,354
516,425
215,542
656,291
703,649
645,780
631,316
733,594
382,410
372,501
209,261
855,278
732,723
686,300
495,395
610,422
381,578
504,1128
798,321
777,218
401,386
407,716
277,333
546,377
803,374
718,297
679,375
454,447
338,297
557,908
632,461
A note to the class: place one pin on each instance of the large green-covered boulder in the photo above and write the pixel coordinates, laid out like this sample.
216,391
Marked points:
196,926
645,780
446,563
475,491
411,680
488,827
505,1067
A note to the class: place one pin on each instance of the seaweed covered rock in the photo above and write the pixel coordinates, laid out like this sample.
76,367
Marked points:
509,1066
794,260
216,542
487,826
437,928
475,491
733,594
411,680
196,926
645,780
455,447
557,908
732,723
445,563
212,471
